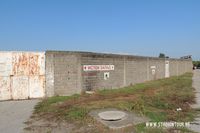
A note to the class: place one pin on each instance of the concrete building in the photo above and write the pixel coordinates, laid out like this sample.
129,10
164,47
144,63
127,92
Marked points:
26,75
68,73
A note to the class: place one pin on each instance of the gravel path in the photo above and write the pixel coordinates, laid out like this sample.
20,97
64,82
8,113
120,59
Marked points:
13,114
195,126
196,85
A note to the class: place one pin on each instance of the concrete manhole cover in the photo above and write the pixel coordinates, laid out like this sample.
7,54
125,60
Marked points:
112,115
116,119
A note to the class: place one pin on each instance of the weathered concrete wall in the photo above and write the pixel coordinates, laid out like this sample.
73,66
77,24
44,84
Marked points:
136,70
95,79
67,73
49,67
173,67
159,65
26,75
62,74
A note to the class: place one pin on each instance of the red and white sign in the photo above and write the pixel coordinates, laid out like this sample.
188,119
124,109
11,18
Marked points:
98,67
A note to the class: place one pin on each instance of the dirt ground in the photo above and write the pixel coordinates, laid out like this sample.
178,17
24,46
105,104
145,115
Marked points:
37,125
43,120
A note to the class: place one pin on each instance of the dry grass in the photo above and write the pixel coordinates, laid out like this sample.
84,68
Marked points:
157,100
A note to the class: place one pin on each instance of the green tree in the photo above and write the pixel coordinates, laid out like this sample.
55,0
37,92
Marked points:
162,55
196,63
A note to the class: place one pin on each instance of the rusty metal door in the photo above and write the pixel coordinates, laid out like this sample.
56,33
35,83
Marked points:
22,75
36,75
19,87
5,72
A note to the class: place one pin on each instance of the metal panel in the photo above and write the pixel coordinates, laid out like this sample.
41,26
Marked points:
5,64
5,92
22,75
5,71
20,62
36,75
36,64
36,86
41,63
20,87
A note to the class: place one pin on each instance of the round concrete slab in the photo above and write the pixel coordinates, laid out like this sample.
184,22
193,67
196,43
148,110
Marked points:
112,115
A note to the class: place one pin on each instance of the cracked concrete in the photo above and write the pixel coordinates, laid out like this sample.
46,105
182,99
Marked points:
13,114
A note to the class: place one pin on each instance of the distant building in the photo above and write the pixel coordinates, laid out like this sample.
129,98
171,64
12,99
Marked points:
187,57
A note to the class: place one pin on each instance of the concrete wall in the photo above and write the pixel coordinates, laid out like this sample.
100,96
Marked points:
62,73
49,67
65,74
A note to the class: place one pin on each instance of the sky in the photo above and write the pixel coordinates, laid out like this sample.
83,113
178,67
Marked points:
138,27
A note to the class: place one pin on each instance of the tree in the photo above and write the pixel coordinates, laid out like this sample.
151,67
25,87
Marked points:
196,63
162,55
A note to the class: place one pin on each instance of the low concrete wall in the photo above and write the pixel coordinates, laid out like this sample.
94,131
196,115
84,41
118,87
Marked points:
68,73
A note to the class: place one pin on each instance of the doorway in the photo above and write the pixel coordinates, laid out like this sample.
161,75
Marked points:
167,74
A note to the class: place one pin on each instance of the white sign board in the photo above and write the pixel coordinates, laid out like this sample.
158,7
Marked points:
98,67
153,71
153,67
106,75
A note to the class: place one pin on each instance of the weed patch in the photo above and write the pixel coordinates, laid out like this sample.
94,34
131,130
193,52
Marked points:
157,100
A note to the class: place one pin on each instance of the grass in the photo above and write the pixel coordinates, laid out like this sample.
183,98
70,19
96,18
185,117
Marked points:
76,113
158,100
47,104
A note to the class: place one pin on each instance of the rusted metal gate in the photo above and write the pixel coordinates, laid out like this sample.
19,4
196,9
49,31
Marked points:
22,75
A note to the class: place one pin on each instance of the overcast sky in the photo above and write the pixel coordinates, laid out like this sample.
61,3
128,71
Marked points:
141,27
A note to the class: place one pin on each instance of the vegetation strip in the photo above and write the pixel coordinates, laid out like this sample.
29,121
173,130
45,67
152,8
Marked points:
158,100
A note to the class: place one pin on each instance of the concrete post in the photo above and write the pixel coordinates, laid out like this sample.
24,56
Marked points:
124,71
147,69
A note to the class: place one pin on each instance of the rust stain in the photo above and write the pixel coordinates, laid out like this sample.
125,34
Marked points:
42,78
20,64
34,68
11,96
25,75
90,74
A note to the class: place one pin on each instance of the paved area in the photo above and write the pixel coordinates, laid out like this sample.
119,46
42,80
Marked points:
13,114
196,85
195,126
